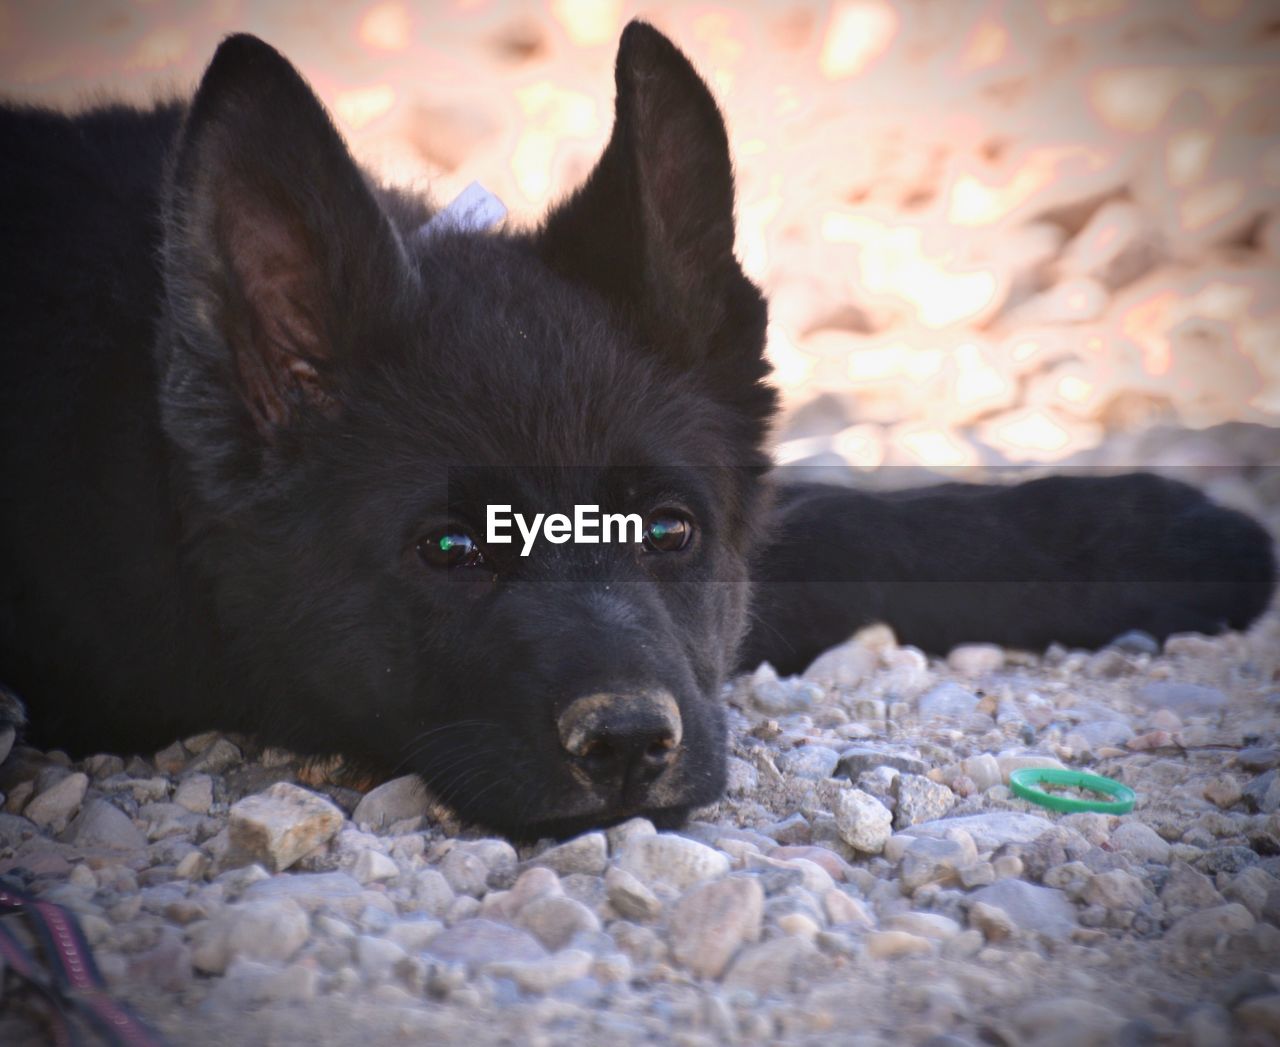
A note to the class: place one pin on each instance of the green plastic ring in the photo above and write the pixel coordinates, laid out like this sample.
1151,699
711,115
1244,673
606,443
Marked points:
1024,780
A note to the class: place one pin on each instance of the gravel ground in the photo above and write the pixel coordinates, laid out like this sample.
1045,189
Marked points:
869,878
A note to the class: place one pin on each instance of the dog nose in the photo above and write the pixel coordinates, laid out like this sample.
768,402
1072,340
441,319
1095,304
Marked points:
628,739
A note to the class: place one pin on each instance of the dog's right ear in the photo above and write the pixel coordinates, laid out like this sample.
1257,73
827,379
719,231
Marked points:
652,229
280,267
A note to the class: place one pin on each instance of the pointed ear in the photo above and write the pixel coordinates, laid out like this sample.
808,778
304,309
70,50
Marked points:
652,228
276,253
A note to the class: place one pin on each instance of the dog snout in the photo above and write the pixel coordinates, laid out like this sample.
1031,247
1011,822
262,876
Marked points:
622,738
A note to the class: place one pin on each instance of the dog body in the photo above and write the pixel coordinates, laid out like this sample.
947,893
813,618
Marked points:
250,421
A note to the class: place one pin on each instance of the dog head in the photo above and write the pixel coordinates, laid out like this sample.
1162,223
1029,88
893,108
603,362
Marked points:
345,398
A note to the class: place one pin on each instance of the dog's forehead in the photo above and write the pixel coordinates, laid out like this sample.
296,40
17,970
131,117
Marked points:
478,285
494,324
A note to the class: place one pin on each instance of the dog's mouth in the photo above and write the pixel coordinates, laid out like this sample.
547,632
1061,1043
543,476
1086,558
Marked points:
614,754
569,809
550,802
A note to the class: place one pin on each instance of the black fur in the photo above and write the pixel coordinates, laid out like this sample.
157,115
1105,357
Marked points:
236,391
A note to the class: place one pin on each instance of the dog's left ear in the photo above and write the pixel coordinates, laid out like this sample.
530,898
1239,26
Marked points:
652,228
282,273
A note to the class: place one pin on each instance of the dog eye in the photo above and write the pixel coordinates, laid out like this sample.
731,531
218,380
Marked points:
667,531
450,547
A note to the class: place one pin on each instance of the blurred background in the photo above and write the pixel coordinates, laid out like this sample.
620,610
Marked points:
1042,232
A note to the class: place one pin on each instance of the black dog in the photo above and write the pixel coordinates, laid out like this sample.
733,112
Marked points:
250,424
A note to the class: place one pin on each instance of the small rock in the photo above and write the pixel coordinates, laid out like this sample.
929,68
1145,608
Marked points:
53,808
920,800
711,921
844,666
979,874
857,759
989,830
101,825
555,919
1183,698
1098,734
1211,927
1141,842
927,860
775,697
621,835
1107,664
798,925
809,761
995,924
835,866
891,945
630,898
477,942
1010,762
195,793
947,701
882,783
1007,865
983,769
1042,910
266,931
794,829
198,743
675,861
1258,758
544,974
925,924
1194,645
171,759
280,825
1062,1020
221,756
1251,888
1158,739
1114,890
1263,793
414,935
1187,890
466,872
432,892
1223,790
99,766
535,882
770,967
391,802
311,892
841,910
146,790
976,659
375,957
374,867
865,824
499,858
906,672
1137,642
587,854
